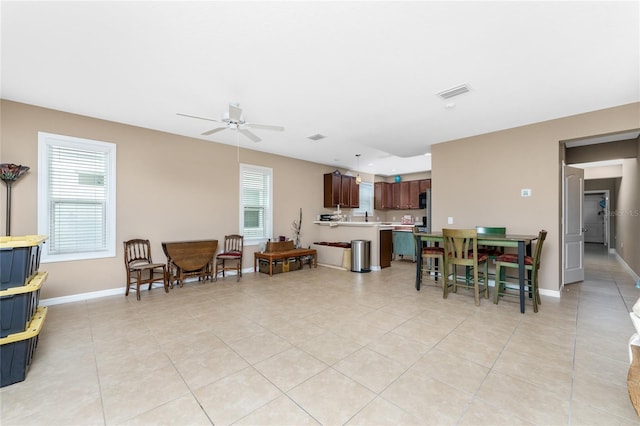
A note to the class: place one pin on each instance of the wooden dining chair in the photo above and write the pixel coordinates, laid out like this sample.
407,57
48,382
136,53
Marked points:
232,253
461,248
490,251
503,287
140,267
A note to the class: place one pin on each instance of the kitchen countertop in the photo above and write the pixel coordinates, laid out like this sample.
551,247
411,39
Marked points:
382,225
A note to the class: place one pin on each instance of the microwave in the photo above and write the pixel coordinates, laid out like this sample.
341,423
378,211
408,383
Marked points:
422,200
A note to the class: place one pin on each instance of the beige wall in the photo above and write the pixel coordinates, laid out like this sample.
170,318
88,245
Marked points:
628,214
477,180
603,172
602,151
169,188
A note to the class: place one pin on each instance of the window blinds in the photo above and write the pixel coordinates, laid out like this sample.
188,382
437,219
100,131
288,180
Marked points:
255,200
77,202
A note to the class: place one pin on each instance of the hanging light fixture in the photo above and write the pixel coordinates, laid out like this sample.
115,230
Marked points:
358,178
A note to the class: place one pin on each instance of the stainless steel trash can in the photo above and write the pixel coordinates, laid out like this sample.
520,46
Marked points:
360,255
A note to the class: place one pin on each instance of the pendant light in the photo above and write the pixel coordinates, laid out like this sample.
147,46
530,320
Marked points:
358,178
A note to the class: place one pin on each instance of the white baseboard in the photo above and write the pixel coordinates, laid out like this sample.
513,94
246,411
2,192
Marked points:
551,293
326,265
113,292
627,267
82,296
542,291
341,268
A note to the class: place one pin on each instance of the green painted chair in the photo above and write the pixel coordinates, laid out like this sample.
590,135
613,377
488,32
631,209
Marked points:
491,251
461,249
504,287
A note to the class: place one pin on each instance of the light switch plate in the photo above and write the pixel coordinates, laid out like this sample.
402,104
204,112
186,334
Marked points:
525,193
450,220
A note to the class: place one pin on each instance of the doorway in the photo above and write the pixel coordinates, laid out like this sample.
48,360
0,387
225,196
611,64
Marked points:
593,153
596,217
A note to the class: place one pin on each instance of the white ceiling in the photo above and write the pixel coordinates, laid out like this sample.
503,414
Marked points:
365,74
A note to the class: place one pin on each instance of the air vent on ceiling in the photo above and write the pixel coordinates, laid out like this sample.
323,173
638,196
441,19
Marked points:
454,91
316,137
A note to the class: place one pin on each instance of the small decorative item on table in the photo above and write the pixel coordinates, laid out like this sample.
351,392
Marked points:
296,227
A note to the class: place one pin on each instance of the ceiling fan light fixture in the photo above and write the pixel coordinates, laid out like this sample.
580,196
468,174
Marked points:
234,120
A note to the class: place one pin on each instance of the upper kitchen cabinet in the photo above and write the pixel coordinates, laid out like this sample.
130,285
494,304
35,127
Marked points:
400,195
341,189
383,196
414,194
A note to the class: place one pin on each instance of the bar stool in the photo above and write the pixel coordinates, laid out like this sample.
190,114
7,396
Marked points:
432,262
461,248
531,265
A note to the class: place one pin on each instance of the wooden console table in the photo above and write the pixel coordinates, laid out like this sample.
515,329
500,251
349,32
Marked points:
286,254
189,259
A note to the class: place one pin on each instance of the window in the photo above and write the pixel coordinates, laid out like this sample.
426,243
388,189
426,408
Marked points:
366,200
256,194
76,197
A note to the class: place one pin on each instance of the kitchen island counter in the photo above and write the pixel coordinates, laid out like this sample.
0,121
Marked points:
381,225
349,231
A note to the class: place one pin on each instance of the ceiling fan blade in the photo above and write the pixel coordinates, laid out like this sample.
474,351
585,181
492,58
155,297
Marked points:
250,135
265,127
235,113
210,132
199,118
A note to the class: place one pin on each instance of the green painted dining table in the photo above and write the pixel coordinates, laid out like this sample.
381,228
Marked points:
521,242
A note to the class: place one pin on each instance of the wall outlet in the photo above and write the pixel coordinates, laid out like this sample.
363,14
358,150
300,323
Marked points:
525,193
450,220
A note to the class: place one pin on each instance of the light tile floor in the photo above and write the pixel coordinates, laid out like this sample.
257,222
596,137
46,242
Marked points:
331,347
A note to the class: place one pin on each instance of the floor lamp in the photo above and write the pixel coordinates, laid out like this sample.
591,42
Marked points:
9,173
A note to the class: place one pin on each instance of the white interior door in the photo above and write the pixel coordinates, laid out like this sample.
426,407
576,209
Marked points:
573,227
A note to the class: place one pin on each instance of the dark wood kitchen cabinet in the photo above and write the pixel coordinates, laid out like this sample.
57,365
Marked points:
424,184
383,196
341,189
414,194
400,195
386,248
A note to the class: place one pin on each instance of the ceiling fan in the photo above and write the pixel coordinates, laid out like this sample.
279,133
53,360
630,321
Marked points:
234,120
